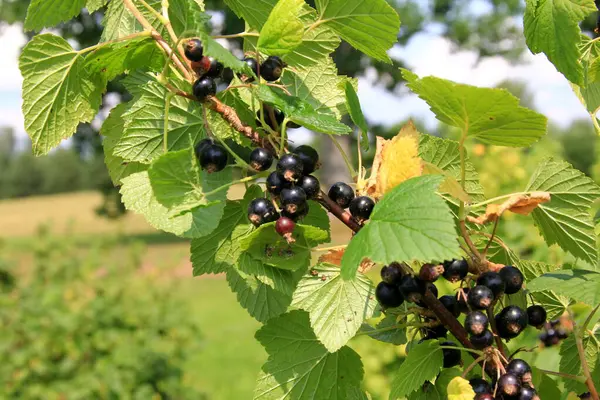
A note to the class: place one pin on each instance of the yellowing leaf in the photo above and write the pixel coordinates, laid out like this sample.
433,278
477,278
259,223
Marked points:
460,389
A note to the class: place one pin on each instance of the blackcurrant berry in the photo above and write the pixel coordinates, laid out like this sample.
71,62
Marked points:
509,385
476,322
276,183
298,215
272,68
361,207
511,321
293,200
528,393
429,272
204,87
213,158
480,386
261,211
452,357
493,281
342,194
585,396
227,76
311,186
450,303
480,297
435,332
261,159
392,273
410,288
193,50
251,62
309,157
519,368
462,299
284,226
273,117
455,270
537,315
290,167
484,396
201,67
562,333
549,338
215,69
480,342
388,295
202,145
513,279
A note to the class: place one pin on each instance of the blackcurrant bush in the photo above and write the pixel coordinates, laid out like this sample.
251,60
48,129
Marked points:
251,62
480,342
493,281
410,288
193,50
293,200
261,159
213,158
215,69
276,183
462,298
298,215
311,186
480,297
342,194
392,273
511,321
476,322
537,315
388,295
309,157
361,207
284,226
450,303
480,386
261,211
509,385
272,68
455,270
519,368
204,87
452,357
528,393
513,279
290,167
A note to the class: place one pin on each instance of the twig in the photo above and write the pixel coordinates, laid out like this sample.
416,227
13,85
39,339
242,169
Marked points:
468,241
339,212
586,369
484,253
568,376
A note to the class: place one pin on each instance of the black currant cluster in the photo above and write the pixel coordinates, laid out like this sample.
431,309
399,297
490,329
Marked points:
343,195
513,384
554,331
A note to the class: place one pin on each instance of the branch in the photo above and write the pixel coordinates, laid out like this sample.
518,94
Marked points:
586,369
338,211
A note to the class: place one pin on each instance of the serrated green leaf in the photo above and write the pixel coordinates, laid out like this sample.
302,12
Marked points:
353,104
58,93
566,220
337,307
95,5
255,13
589,92
546,387
569,357
48,13
552,27
300,367
318,218
302,112
283,30
369,26
212,48
188,16
383,333
411,222
580,285
491,115
427,392
444,378
118,22
279,279
423,363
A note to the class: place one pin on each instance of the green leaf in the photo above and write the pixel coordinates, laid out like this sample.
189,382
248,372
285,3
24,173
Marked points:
569,357
118,22
188,16
212,48
58,93
300,367
356,114
427,392
48,13
382,332
443,380
319,218
552,27
369,26
554,304
337,307
302,112
279,279
423,363
491,115
95,5
255,13
580,285
589,92
411,222
283,30
566,220
546,387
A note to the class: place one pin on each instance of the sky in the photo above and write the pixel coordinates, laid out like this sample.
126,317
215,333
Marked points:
552,94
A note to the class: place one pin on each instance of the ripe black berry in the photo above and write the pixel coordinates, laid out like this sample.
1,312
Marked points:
493,281
480,386
388,295
449,302
311,186
410,288
585,396
293,200
482,341
480,297
528,393
537,315
202,145
215,69
452,357
202,66
361,207
204,87
509,385
392,273
284,226
513,279
549,338
309,157
476,322
253,66
342,194
290,167
213,158
519,368
435,332
462,298
428,272
455,270
261,211
193,50
511,321
299,214
276,183
272,68
261,159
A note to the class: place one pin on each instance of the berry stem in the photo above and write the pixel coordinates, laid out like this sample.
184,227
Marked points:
568,376
236,35
338,212
351,169
243,180
492,320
